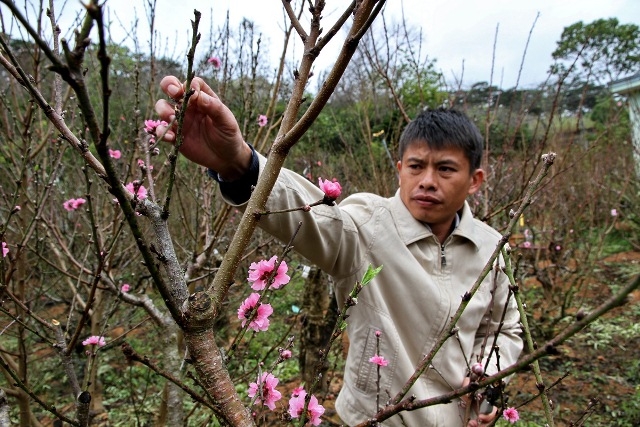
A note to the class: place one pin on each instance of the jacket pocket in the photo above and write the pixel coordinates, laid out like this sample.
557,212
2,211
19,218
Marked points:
367,371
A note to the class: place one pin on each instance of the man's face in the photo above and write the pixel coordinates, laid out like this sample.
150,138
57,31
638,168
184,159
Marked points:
435,183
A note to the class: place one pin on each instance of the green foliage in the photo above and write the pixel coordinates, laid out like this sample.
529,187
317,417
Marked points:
604,49
420,89
627,413
370,274
604,333
607,110
130,393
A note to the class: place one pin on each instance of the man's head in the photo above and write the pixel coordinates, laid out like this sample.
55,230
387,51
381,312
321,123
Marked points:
444,128
440,155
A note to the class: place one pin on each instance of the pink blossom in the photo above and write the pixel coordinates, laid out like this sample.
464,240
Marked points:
614,212
314,409
16,208
266,384
261,320
262,120
378,334
297,391
95,340
379,360
5,249
151,125
285,354
125,288
511,415
215,62
141,193
526,245
259,273
331,189
296,403
115,154
73,204
79,202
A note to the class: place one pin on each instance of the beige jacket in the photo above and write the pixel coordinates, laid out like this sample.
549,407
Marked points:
419,288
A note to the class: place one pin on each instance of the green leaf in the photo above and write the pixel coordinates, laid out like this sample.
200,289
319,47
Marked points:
370,274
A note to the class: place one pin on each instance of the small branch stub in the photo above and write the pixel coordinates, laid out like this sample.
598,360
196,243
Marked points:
549,158
84,397
199,312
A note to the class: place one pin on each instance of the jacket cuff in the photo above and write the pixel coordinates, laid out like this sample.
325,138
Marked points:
239,190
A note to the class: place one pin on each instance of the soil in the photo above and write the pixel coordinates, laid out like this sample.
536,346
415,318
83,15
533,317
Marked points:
593,382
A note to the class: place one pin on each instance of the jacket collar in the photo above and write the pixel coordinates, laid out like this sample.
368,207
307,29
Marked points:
412,230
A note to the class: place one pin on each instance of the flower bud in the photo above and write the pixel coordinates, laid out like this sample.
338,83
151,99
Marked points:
477,368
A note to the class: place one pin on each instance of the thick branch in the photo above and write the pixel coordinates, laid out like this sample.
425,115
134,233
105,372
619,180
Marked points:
208,362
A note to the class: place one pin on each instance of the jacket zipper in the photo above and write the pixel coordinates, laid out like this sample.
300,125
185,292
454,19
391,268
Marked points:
443,258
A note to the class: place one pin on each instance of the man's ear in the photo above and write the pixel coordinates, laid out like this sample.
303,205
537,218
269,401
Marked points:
477,178
399,167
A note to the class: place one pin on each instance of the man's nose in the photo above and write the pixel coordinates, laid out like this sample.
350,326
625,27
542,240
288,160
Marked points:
429,179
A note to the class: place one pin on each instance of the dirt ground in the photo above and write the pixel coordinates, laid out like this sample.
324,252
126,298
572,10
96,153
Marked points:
590,378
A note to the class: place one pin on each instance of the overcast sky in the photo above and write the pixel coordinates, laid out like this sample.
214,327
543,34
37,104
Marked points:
455,30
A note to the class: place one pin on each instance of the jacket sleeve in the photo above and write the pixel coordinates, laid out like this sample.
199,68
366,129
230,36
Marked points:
509,343
327,232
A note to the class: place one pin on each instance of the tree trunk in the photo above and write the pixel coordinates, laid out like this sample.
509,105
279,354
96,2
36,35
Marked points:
199,318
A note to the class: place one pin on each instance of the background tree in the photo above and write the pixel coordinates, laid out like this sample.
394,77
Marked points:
601,51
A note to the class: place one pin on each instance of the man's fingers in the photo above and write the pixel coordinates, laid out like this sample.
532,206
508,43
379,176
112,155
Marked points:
197,84
172,87
165,133
165,110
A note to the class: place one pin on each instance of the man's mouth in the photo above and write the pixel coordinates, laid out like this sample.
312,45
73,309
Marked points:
427,200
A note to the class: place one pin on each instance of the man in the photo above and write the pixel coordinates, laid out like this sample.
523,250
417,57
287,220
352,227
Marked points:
425,237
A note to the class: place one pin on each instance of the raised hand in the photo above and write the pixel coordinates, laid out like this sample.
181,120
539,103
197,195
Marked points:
211,135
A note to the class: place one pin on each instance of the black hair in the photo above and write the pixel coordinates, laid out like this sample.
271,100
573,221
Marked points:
442,128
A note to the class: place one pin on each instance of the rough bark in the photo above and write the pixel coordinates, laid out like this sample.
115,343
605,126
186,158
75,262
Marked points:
4,410
207,360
